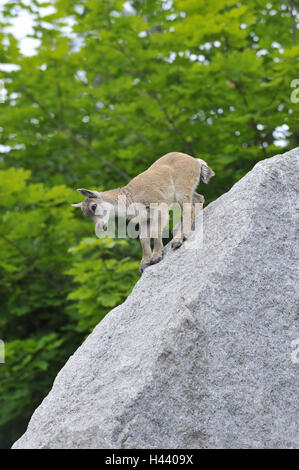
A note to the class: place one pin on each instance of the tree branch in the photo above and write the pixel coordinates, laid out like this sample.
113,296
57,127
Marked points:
156,97
293,21
14,245
30,261
64,128
252,121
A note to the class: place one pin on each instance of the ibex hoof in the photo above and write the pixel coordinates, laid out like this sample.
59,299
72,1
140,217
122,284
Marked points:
156,260
143,267
175,245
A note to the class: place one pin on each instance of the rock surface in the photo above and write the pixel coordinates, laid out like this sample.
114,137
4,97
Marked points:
200,354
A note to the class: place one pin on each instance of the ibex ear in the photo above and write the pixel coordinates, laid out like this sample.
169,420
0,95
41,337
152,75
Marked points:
91,194
79,204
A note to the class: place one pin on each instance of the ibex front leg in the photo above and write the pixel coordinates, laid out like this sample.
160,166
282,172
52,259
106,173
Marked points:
146,253
159,219
145,241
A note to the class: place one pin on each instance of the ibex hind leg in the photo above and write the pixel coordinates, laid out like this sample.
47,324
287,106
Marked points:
198,201
189,211
184,227
186,183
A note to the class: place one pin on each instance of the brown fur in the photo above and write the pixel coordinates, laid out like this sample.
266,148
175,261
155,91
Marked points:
172,178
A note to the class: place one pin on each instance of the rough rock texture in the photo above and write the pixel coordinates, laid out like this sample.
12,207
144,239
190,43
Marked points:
199,355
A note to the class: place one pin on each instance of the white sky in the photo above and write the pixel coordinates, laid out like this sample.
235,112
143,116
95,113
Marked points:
21,26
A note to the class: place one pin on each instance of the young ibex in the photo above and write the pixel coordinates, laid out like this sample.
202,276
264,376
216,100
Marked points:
172,178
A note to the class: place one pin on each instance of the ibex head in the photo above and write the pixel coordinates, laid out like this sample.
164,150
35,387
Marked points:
95,207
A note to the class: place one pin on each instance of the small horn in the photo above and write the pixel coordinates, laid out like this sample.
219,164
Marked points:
88,193
79,204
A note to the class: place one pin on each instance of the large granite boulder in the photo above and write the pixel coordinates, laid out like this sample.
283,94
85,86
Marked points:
200,354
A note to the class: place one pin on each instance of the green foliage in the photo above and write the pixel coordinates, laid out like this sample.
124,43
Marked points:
103,281
96,107
44,315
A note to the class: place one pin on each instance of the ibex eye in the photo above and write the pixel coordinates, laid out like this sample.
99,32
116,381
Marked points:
93,207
